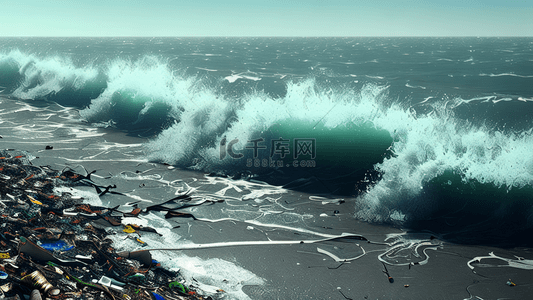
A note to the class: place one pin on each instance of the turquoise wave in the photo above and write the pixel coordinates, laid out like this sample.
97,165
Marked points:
404,168
473,212
10,78
56,79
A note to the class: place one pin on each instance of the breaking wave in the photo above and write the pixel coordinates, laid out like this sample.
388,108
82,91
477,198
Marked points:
404,167
55,78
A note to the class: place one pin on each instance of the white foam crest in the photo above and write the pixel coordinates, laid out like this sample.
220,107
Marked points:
424,146
43,76
302,102
427,146
147,77
206,120
204,117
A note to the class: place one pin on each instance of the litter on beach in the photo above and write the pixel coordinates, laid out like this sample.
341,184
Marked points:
53,246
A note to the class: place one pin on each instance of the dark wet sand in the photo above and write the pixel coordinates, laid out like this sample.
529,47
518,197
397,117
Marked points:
299,272
290,271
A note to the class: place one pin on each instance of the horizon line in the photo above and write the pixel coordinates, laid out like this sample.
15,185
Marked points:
268,36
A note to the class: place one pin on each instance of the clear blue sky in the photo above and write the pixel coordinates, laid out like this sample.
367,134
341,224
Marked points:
266,18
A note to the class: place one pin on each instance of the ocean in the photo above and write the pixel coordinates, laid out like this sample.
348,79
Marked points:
431,136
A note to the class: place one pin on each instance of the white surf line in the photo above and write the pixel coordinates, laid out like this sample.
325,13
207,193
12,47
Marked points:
337,259
519,262
252,243
254,222
47,142
223,191
111,146
135,197
325,200
276,201
256,190
139,177
97,154
106,160
243,183
425,261
403,245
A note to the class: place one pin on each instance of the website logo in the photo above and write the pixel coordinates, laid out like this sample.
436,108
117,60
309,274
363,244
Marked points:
303,152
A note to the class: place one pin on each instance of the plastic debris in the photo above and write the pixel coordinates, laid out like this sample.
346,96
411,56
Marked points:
128,229
110,283
33,200
157,297
54,247
57,246
179,287
510,283
144,244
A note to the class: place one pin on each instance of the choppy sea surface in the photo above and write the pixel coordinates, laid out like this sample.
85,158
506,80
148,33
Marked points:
431,134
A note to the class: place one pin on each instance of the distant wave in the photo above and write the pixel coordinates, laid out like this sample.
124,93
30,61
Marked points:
506,74
209,70
234,77
55,78
492,99
375,77
415,86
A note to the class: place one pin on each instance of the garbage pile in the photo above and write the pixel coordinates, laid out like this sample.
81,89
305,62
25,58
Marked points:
54,246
